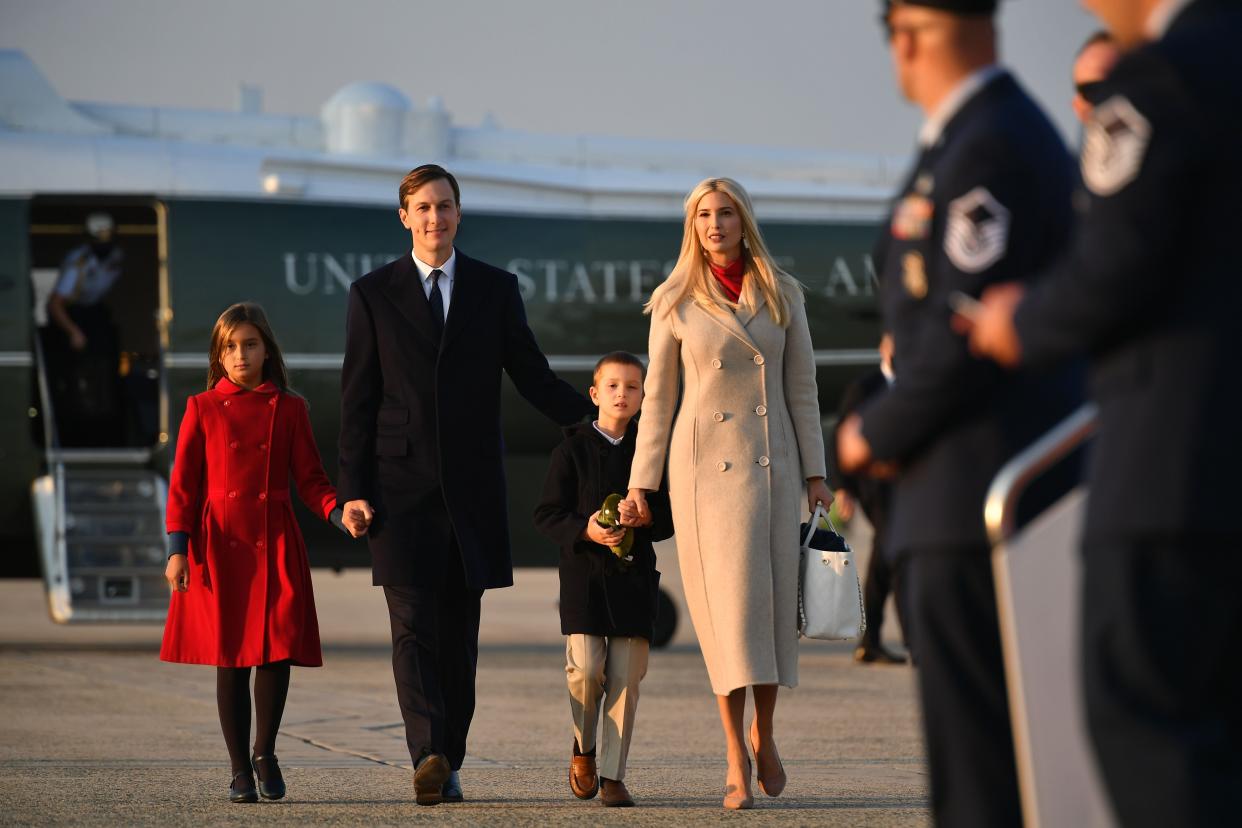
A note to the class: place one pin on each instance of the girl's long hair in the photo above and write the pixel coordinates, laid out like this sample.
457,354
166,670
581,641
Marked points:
274,370
691,277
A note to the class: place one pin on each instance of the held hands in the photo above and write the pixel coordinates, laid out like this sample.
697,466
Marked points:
603,535
177,573
630,515
357,516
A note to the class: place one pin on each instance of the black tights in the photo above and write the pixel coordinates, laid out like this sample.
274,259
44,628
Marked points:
271,686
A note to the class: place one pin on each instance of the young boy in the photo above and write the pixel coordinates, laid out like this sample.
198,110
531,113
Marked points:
608,605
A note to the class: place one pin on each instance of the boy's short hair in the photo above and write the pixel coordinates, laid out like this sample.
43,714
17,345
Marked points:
619,358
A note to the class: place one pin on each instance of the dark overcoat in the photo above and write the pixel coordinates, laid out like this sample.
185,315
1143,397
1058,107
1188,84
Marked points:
598,596
249,599
420,418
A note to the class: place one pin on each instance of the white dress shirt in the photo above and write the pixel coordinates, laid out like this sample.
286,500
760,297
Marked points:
954,101
616,441
448,269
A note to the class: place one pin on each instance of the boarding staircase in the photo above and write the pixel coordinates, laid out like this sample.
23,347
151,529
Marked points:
99,515
1036,569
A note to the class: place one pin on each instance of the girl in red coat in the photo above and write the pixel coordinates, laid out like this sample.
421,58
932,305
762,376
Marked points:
241,582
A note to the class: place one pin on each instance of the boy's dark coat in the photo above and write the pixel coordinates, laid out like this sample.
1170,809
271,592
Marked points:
598,597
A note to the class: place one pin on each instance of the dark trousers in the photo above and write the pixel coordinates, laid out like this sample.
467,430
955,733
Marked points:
956,639
883,579
435,650
1162,650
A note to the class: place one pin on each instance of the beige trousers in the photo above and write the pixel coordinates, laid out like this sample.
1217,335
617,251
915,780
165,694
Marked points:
606,669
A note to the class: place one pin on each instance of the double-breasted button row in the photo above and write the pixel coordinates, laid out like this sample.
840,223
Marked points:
233,544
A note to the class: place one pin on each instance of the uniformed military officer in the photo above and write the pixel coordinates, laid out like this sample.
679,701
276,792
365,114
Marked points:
990,194
1151,292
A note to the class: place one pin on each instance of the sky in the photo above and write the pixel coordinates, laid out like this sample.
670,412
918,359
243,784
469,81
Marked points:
795,73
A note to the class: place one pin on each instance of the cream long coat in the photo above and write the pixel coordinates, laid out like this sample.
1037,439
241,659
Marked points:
739,447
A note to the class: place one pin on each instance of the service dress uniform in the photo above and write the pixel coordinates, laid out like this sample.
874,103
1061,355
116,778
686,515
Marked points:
1151,292
740,444
989,198
249,600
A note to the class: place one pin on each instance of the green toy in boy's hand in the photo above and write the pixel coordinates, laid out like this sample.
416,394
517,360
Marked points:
609,517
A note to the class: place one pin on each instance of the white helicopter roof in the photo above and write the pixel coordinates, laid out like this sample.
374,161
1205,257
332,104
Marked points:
368,135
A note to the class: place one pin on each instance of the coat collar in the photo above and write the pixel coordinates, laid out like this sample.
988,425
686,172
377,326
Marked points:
747,313
227,387
404,288
731,322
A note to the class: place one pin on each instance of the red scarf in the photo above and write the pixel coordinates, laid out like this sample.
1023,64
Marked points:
730,277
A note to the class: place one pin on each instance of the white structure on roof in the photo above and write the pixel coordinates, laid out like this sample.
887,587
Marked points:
368,135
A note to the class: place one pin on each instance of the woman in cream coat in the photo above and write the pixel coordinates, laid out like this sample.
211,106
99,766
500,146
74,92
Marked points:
741,447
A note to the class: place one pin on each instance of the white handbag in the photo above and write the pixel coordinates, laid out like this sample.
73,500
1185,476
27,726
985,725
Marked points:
829,596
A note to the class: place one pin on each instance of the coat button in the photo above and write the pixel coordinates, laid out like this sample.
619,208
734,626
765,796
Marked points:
258,544
761,410
233,444
763,461
232,494
227,403
758,359
722,466
262,446
718,417
232,544
717,363
263,495
272,401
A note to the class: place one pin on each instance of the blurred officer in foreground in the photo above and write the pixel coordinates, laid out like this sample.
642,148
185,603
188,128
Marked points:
989,196
1092,64
875,496
1152,291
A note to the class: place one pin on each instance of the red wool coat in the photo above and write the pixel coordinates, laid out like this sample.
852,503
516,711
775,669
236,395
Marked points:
249,600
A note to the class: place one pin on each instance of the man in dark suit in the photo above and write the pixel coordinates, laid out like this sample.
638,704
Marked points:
1151,293
875,496
990,194
421,458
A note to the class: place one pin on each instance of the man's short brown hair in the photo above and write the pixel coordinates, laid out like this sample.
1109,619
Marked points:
425,174
618,358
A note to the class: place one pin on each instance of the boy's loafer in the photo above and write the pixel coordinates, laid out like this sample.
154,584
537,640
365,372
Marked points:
451,792
430,775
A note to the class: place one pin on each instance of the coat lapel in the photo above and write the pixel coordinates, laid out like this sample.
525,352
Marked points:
464,298
728,320
405,290
745,314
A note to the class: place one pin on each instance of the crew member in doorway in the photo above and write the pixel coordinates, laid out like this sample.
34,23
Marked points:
82,342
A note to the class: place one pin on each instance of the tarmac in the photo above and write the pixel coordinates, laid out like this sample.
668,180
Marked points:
97,731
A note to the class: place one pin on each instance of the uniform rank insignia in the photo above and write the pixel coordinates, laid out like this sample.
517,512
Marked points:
1113,146
977,233
912,218
914,274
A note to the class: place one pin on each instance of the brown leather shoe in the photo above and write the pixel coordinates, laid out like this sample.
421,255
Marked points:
613,794
430,775
583,780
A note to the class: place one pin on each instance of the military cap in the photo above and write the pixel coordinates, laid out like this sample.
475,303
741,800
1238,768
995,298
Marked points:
954,6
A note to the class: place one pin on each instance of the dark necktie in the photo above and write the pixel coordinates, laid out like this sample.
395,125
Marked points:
437,304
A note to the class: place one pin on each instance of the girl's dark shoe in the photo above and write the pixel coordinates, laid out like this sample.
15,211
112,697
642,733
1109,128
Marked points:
241,789
271,781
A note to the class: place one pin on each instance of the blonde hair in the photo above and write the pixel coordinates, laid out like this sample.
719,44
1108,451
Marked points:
691,277
274,370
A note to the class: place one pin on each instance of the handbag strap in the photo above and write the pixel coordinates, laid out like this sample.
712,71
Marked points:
819,512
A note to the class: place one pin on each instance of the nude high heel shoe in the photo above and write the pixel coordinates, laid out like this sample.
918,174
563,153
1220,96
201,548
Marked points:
739,800
772,782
